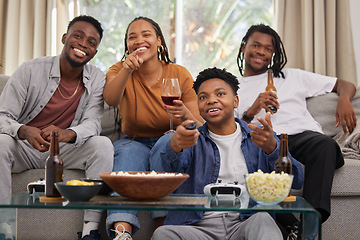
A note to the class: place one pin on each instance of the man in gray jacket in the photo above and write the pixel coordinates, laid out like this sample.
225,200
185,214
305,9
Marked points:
61,93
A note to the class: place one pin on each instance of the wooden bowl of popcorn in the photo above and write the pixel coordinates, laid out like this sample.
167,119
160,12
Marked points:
144,185
268,188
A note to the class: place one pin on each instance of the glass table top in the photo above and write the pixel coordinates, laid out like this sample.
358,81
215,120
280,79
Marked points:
185,202
173,202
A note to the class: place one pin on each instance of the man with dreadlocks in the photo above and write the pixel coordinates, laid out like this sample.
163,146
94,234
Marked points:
262,48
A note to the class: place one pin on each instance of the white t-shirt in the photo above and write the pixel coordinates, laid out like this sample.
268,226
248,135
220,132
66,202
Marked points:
232,164
292,116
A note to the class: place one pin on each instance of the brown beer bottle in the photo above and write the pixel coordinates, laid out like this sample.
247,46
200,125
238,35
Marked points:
271,88
53,167
283,163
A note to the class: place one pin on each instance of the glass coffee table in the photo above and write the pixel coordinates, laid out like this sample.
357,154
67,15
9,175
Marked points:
174,202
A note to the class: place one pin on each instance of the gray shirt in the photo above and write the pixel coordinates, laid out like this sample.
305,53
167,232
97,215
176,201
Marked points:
31,87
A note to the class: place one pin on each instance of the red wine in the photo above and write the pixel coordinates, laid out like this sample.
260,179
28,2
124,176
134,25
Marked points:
168,100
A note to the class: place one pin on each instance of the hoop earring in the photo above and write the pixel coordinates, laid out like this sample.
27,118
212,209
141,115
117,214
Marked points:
161,49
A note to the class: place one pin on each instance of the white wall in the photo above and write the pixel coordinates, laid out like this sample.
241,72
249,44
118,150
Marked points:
355,21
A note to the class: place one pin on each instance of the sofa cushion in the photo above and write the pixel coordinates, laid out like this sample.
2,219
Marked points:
323,109
346,179
110,128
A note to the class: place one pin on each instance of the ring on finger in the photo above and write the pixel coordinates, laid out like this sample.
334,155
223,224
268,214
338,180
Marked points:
267,100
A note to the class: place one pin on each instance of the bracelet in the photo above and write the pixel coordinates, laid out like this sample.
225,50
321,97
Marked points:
246,118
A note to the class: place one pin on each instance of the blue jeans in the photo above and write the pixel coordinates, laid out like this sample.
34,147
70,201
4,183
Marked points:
139,154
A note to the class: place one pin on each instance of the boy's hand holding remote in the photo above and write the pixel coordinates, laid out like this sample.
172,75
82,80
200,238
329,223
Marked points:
183,137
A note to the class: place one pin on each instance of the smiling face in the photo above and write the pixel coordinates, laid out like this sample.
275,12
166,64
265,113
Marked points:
141,35
216,101
80,43
258,52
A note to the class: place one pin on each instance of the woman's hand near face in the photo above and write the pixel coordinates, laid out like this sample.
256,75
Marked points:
132,61
115,84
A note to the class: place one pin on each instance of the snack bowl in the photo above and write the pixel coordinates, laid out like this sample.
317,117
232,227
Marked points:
105,189
75,193
268,188
143,185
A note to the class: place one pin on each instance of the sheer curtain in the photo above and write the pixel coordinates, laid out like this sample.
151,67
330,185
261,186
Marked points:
31,29
317,36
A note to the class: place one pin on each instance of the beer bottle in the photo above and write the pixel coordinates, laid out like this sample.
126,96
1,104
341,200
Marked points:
283,163
271,88
53,167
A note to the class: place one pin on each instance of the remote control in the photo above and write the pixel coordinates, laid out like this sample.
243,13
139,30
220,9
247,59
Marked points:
219,189
37,186
191,126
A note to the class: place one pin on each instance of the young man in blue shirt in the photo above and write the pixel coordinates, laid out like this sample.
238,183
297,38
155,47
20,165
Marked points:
226,149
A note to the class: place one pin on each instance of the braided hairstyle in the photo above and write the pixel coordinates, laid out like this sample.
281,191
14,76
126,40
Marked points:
279,58
164,53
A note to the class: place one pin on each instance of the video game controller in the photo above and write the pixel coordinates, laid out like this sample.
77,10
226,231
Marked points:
225,202
37,186
219,189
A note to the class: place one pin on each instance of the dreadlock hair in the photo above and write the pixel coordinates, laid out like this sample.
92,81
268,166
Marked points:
163,55
89,19
279,58
214,72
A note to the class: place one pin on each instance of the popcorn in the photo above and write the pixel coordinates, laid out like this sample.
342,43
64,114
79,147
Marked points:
268,187
153,173
75,182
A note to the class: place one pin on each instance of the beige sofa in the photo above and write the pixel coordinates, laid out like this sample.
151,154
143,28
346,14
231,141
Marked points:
345,197
342,224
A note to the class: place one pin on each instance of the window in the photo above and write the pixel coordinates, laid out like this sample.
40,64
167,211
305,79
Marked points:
198,33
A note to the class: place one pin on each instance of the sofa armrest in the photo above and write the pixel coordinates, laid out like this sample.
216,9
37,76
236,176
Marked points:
323,110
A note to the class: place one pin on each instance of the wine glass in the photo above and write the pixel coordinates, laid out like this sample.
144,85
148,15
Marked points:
170,91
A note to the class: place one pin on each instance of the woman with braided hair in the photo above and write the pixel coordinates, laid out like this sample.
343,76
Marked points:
134,85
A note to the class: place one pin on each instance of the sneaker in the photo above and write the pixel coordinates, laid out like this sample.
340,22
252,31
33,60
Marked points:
94,235
123,236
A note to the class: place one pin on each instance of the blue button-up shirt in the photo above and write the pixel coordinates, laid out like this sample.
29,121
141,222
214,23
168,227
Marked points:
202,163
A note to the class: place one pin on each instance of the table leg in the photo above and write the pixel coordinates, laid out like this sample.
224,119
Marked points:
311,225
8,223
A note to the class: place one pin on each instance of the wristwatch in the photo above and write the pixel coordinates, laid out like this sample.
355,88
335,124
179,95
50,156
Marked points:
246,118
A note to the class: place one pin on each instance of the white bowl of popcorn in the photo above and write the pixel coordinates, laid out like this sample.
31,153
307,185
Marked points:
268,188
145,185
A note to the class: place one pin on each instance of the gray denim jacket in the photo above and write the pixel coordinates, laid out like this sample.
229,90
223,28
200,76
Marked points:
31,87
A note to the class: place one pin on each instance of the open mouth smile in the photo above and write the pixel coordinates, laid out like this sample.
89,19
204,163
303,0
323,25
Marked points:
79,53
259,60
141,49
213,111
